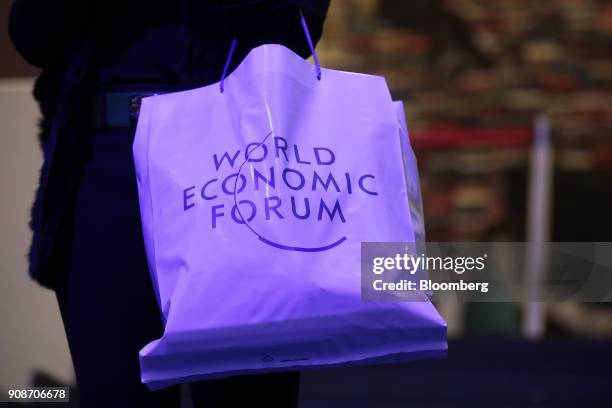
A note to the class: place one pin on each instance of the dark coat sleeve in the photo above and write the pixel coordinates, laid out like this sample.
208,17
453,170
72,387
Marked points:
43,30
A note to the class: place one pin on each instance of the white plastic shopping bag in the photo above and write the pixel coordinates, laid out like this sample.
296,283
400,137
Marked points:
254,204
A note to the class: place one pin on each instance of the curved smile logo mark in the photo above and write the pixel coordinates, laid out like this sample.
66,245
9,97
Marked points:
263,239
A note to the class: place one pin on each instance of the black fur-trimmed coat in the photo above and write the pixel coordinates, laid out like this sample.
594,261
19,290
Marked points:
60,93
45,34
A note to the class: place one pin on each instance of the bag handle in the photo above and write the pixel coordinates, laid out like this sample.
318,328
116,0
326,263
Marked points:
308,39
311,44
227,63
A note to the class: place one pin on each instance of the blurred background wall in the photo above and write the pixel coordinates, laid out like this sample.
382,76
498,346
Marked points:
473,75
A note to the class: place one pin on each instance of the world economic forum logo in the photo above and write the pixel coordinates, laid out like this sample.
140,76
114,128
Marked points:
273,184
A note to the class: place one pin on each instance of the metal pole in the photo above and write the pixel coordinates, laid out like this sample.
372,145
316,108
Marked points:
541,177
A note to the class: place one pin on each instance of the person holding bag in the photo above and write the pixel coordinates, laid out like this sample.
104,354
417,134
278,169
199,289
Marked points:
98,59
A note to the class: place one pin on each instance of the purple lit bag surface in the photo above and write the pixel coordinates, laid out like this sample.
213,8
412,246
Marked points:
254,203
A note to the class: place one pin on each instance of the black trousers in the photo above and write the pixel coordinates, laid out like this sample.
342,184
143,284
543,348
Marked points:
108,305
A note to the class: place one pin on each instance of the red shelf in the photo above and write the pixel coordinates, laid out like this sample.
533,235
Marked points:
447,138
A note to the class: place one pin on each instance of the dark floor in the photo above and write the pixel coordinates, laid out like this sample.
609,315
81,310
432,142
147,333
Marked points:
491,373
